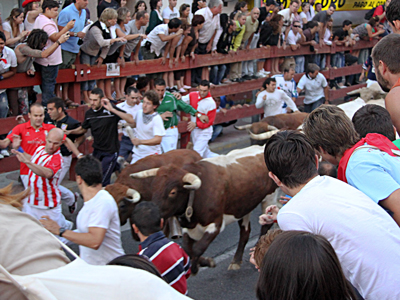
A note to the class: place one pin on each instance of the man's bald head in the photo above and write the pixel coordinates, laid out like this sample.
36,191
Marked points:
54,140
255,13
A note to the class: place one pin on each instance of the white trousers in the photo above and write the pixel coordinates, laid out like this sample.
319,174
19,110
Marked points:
250,67
200,138
170,140
55,214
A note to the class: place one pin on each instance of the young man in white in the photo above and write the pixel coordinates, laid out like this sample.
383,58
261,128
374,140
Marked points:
365,238
288,15
205,105
285,82
170,11
294,39
131,106
316,88
149,128
98,227
272,99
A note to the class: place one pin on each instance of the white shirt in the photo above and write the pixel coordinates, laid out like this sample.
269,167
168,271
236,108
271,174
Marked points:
314,88
101,211
293,38
148,131
168,14
8,60
366,239
287,18
132,110
273,102
157,44
210,25
288,86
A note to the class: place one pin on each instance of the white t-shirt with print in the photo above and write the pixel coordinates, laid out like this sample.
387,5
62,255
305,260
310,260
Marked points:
314,88
273,102
365,238
168,14
148,131
8,60
101,211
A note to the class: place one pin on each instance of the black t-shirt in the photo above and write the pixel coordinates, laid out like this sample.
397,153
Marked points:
67,123
341,34
104,127
103,5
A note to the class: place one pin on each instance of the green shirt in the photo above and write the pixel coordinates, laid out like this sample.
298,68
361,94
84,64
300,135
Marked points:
170,103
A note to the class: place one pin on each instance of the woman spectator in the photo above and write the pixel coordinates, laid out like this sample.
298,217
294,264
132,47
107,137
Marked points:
301,265
271,35
26,53
305,17
155,15
140,6
124,31
198,4
368,31
240,7
122,3
31,11
184,12
13,28
95,48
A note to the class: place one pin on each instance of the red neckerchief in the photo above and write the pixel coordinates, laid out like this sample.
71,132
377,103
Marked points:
372,139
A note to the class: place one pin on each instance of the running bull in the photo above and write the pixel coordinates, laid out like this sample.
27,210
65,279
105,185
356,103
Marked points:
210,194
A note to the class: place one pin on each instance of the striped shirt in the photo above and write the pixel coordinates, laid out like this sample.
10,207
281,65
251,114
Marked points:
44,191
169,258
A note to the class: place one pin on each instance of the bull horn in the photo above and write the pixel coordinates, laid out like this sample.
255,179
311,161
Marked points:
270,128
242,127
262,136
132,195
194,180
145,174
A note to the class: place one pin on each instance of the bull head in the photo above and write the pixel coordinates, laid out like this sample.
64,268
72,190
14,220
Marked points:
194,180
132,195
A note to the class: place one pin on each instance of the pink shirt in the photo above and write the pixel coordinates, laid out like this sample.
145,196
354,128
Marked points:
48,25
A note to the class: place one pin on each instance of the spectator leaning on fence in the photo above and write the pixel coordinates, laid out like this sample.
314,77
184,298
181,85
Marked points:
49,66
13,28
137,34
70,49
96,45
322,19
207,34
294,39
288,16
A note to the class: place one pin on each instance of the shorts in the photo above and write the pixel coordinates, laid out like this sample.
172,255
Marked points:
68,59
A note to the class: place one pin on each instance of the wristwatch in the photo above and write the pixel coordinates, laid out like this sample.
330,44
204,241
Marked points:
75,34
62,230
198,115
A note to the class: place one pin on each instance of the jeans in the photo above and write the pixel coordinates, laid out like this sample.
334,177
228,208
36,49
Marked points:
3,105
217,74
338,62
126,147
49,76
108,164
88,60
299,63
310,107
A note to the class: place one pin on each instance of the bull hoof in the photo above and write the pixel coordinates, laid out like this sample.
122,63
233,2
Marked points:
207,262
234,266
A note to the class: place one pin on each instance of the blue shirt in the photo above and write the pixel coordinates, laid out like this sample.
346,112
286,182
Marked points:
374,172
67,14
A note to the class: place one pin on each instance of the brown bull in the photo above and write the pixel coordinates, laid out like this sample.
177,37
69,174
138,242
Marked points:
124,182
225,189
268,126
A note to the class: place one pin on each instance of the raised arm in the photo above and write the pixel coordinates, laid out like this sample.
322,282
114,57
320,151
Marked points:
123,115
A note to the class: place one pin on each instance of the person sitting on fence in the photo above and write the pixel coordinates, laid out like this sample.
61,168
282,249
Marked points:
235,72
95,48
169,258
124,30
48,67
224,46
14,29
32,10
207,34
70,49
294,39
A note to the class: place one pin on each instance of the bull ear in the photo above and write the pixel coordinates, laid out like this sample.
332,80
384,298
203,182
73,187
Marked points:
145,174
194,180
132,196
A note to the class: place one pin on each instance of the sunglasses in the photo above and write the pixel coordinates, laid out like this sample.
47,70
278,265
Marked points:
298,26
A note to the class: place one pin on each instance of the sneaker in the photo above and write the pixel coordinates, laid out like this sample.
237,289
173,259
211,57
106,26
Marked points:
5,153
73,206
174,90
1,156
226,80
261,73
254,77
247,77
182,90
187,87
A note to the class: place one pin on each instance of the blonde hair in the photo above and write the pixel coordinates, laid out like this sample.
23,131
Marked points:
122,13
108,14
14,200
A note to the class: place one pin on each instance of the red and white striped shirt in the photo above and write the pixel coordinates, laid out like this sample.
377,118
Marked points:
45,192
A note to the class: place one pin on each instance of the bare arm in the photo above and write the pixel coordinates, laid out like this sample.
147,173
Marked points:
71,147
150,142
393,107
166,38
185,43
393,204
38,170
4,143
326,92
124,116
56,35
